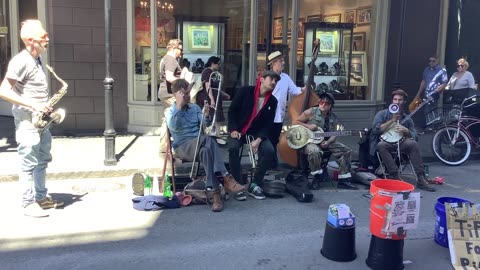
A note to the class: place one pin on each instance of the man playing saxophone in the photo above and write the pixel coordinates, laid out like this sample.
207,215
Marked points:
25,86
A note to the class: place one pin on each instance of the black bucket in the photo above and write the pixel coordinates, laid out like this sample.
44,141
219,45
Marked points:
385,254
339,243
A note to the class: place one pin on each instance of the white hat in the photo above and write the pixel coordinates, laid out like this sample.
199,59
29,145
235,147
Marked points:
274,56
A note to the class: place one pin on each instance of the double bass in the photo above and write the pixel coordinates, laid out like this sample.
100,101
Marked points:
298,105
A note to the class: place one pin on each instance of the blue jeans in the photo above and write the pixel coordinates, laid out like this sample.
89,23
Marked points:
34,151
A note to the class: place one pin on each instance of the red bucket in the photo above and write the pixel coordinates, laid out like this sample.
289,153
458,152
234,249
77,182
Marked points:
382,192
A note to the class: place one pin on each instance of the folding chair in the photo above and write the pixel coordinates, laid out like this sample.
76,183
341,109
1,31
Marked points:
401,160
168,158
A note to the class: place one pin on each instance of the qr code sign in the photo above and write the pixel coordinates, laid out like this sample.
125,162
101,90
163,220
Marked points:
412,205
410,219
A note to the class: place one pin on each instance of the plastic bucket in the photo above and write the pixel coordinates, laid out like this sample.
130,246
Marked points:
382,192
440,235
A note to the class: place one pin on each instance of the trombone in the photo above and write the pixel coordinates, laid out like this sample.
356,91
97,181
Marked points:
252,154
216,75
211,130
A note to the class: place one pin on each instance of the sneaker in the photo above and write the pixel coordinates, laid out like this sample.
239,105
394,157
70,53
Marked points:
34,210
256,192
346,185
241,196
48,202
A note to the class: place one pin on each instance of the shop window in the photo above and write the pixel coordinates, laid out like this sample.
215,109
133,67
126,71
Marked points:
358,12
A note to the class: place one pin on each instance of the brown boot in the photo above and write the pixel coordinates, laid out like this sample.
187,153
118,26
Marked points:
423,184
217,202
231,185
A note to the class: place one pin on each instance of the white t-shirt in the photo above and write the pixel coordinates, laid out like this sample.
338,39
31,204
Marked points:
284,87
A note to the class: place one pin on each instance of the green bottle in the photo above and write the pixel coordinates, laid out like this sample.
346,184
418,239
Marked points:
167,187
148,185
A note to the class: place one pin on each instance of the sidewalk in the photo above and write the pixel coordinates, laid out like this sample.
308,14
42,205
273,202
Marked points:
83,157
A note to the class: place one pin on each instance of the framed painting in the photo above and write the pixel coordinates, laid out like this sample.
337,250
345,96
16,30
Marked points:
328,42
359,42
358,68
314,18
349,16
364,15
332,18
200,38
277,27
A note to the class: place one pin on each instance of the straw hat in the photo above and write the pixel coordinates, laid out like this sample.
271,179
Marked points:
274,56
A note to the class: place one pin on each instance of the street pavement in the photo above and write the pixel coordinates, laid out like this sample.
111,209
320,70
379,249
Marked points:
99,229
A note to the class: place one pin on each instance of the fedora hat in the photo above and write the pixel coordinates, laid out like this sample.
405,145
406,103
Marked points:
274,56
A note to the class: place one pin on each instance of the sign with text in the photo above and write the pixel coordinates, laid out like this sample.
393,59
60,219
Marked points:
405,211
463,223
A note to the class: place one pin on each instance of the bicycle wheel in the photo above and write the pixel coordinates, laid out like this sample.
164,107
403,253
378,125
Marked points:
448,153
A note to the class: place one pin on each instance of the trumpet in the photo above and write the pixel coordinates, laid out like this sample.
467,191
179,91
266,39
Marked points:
252,154
215,76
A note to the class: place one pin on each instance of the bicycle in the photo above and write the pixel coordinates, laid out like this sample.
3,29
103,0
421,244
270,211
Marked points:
452,144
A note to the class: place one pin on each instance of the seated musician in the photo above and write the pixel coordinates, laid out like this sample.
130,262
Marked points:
385,121
252,113
183,121
322,117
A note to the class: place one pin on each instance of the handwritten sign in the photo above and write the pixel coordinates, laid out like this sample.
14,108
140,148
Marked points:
463,223
405,212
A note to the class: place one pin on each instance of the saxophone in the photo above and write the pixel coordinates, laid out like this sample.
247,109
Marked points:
42,120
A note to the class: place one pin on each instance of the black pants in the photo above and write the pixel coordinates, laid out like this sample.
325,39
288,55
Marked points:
265,159
275,138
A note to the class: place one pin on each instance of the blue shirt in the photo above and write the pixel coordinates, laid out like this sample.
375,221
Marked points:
434,77
382,117
183,124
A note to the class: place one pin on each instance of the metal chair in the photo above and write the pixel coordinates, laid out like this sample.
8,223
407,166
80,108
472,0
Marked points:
401,160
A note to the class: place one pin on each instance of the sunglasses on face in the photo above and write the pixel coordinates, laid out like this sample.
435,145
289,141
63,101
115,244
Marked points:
324,102
431,60
460,66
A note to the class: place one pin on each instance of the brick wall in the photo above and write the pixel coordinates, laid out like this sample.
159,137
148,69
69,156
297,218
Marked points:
77,53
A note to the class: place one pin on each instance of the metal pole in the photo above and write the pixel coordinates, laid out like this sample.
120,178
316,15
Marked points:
109,132
268,40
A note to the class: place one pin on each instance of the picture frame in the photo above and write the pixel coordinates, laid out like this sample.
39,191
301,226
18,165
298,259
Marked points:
146,55
359,41
328,42
350,16
300,43
358,68
301,28
277,27
200,38
364,15
333,18
314,18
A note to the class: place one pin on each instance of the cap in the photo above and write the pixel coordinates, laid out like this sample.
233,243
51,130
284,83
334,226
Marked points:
274,56
328,96
272,74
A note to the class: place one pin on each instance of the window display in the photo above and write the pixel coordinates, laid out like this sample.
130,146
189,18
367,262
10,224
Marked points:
331,68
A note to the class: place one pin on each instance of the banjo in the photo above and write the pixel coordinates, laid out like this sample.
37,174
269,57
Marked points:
298,136
393,136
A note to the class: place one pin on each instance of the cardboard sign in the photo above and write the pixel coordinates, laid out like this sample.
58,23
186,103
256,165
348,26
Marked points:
463,223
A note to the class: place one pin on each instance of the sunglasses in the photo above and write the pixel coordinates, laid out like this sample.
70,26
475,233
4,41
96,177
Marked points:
432,60
324,102
459,66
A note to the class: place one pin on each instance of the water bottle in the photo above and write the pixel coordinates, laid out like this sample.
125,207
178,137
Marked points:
167,187
148,185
